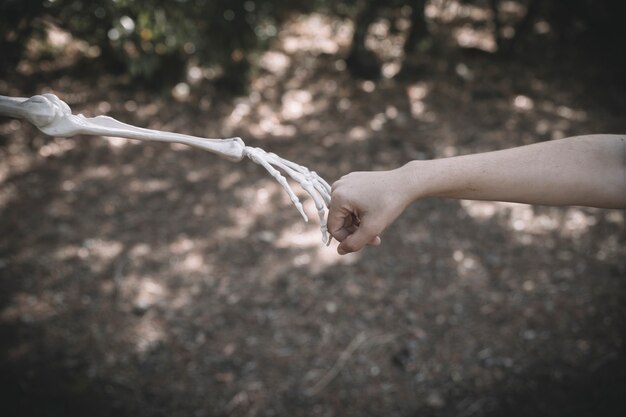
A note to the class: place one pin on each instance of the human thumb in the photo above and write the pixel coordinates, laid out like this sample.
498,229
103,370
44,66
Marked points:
363,235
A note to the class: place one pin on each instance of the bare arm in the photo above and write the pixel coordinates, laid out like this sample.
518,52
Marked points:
584,170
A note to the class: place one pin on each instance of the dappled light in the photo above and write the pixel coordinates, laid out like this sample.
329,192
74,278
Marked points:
468,37
529,225
155,279
315,34
148,333
417,93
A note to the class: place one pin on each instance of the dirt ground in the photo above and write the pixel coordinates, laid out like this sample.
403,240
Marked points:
142,279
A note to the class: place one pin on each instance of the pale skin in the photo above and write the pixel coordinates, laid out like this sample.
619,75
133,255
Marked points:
579,171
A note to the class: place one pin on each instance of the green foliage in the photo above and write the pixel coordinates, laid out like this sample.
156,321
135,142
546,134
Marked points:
153,35
16,17
153,38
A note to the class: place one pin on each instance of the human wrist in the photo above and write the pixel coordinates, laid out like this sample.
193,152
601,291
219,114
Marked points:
428,178
411,180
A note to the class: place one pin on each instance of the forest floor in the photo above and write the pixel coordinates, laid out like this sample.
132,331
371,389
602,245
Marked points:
143,279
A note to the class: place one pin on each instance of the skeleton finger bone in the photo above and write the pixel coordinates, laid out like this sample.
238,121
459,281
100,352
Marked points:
322,187
302,176
258,155
309,184
54,117
307,171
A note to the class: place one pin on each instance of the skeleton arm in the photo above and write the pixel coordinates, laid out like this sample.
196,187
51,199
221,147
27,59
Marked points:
54,117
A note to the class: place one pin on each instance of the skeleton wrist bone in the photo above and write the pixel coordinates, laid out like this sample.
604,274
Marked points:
54,117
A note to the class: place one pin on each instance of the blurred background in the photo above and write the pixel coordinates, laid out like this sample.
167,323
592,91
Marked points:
143,279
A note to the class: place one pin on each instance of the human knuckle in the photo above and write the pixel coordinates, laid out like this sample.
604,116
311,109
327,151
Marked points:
339,193
349,247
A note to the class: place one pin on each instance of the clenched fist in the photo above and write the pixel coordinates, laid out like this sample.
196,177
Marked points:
363,204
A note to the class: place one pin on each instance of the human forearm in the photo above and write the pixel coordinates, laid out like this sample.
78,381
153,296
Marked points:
584,170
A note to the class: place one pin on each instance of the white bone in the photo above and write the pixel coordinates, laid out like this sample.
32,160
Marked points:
54,117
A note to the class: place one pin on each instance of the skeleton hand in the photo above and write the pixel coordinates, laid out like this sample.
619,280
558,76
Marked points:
310,182
54,117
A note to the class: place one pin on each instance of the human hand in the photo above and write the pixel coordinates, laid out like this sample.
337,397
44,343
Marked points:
362,205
